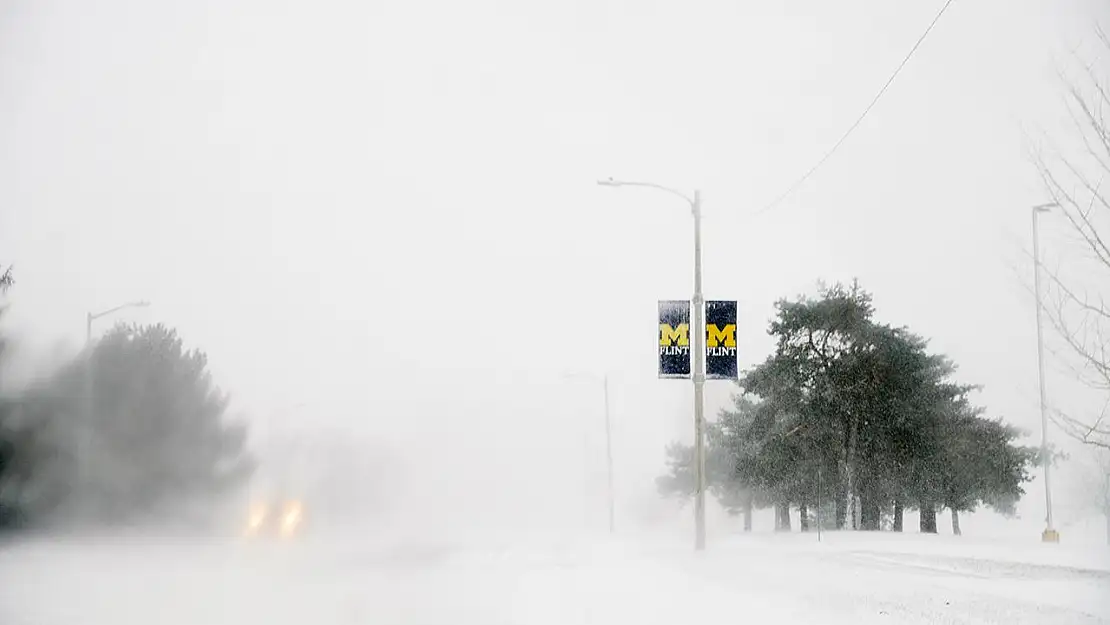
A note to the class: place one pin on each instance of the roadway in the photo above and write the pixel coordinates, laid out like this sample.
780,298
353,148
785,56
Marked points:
647,580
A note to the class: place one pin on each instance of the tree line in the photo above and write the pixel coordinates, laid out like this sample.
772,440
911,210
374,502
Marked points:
130,428
852,422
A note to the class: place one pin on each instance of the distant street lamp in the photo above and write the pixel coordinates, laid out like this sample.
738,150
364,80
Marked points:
608,451
90,317
697,336
84,453
1050,535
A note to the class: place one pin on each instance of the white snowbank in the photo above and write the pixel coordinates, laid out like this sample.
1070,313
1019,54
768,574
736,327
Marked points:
503,578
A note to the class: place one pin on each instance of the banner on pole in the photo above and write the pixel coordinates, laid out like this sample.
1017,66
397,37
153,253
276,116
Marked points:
674,338
720,340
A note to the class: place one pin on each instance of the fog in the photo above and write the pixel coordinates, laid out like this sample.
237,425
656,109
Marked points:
380,222
381,215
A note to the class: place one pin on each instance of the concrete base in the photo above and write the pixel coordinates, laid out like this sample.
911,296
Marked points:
1050,536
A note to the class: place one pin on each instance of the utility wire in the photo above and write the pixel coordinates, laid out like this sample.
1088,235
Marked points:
800,181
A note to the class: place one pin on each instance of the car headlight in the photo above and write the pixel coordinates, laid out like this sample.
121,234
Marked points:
291,519
256,519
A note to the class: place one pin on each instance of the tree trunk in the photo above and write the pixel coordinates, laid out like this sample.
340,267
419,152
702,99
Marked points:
898,512
748,505
1108,526
870,514
955,522
1106,513
928,523
782,517
803,522
850,472
841,512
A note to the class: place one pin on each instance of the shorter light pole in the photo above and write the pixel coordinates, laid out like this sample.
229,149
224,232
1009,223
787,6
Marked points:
609,458
84,452
610,495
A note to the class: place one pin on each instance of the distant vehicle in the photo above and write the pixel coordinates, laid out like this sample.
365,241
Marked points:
280,518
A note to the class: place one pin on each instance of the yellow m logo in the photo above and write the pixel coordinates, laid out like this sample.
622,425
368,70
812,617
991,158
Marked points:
670,335
716,336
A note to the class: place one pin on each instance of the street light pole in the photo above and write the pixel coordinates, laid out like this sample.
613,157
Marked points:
610,494
84,454
609,459
1050,535
698,345
84,438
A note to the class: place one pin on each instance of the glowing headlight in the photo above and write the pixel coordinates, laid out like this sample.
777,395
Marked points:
257,519
291,519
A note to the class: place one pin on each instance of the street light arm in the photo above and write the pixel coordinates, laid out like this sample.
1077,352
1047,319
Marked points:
652,185
105,313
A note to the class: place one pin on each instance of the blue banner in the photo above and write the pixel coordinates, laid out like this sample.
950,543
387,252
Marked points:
674,339
720,340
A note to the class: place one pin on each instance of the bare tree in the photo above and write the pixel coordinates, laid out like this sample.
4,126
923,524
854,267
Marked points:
1078,180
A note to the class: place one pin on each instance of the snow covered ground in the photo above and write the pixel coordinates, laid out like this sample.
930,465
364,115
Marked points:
646,579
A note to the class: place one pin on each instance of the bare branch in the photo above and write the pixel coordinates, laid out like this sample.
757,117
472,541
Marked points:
1077,316
1093,122
1080,430
1082,302
1083,226
1080,348
1056,320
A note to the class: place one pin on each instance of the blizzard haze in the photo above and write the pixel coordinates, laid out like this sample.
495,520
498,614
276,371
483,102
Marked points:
386,214
381,220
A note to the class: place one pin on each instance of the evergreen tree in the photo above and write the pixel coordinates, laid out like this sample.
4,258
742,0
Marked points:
859,415
160,436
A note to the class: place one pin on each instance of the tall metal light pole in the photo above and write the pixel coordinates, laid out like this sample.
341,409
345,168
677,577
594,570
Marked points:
698,346
85,441
1050,535
610,495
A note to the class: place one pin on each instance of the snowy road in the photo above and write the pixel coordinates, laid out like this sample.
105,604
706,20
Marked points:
785,579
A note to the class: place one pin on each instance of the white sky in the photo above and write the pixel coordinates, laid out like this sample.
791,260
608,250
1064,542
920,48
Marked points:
385,214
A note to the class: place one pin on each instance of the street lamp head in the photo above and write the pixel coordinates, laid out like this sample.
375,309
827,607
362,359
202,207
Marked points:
1044,208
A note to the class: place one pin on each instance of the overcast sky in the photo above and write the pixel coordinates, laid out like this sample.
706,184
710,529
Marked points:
384,215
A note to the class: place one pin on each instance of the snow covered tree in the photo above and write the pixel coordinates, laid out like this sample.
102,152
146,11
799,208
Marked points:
805,382
869,410
980,465
159,434
724,479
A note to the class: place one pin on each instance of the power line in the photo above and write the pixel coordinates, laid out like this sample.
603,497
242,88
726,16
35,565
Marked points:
800,181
